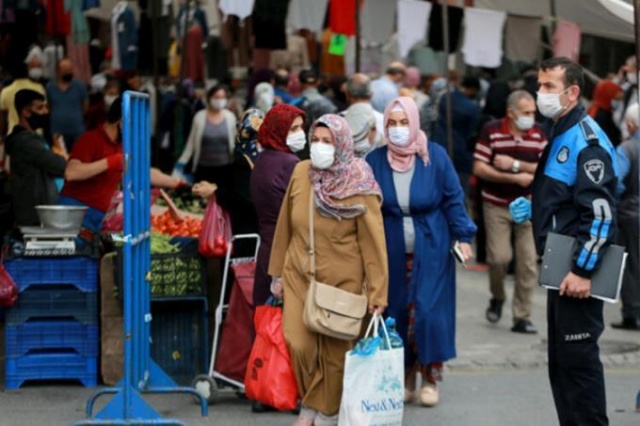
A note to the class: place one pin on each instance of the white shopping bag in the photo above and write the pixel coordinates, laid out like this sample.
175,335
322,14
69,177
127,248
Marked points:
373,385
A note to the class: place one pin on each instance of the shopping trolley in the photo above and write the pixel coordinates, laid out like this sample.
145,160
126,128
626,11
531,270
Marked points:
233,335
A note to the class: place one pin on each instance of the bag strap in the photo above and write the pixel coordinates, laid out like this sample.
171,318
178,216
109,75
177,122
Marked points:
312,254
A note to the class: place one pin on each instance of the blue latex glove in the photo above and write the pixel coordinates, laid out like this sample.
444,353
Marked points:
520,210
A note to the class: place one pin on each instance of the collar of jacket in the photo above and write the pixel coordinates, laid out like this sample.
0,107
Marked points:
554,129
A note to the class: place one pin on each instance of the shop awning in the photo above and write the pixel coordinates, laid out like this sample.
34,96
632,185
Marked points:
591,15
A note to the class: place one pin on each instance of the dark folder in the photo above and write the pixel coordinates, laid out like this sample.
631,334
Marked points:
557,261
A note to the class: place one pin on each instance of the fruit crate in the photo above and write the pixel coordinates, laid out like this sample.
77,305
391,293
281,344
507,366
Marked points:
51,366
41,336
48,302
80,272
179,338
181,274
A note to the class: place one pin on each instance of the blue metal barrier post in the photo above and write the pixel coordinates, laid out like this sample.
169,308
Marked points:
141,374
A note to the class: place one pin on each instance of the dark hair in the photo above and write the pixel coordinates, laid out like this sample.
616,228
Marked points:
25,98
115,111
217,87
281,78
308,77
573,74
471,83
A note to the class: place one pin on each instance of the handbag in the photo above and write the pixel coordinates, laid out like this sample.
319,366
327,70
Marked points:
329,310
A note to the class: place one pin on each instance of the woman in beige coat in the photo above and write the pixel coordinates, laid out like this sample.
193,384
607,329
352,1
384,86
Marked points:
350,250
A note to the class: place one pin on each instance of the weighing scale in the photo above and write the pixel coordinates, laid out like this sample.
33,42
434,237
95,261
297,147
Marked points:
41,242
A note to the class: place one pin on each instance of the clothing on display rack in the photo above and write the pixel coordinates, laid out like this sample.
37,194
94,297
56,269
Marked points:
79,24
240,8
522,38
194,55
307,14
413,18
58,19
295,57
183,22
124,38
236,37
566,40
79,55
342,17
436,41
269,20
376,20
482,46
216,57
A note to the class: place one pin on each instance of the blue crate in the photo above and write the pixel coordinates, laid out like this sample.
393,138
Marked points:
179,338
54,302
39,336
51,366
81,272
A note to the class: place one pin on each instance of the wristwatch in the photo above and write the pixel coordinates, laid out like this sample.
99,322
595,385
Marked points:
515,168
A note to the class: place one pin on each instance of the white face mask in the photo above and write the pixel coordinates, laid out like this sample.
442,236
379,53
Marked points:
296,141
524,122
399,136
549,104
109,99
217,104
35,73
632,77
322,155
362,147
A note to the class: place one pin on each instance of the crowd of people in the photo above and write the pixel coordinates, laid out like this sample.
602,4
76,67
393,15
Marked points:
366,185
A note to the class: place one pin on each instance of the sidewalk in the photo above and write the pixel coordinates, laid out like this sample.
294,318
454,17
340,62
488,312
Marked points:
499,378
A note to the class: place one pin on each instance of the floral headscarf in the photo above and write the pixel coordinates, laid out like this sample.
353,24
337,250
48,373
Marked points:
248,133
402,158
275,128
348,176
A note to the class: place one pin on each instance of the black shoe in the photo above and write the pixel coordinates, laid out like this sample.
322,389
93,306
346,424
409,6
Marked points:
259,407
627,323
494,311
524,326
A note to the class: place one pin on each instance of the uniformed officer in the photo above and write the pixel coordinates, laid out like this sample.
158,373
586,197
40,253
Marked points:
573,194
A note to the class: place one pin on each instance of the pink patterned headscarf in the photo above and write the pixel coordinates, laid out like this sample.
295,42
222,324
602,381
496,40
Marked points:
401,158
348,176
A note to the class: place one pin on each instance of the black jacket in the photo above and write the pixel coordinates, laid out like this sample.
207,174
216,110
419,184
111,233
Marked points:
574,187
33,168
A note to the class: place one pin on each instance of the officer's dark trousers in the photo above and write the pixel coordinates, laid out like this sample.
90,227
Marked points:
575,370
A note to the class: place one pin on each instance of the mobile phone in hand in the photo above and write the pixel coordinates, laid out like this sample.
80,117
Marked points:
457,253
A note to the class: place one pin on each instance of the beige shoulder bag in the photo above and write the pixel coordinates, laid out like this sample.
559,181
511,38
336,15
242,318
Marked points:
327,309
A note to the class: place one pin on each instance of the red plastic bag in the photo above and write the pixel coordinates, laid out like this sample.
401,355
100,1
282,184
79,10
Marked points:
270,379
8,289
216,231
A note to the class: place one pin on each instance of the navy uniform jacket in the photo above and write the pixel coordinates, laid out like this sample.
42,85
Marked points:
574,188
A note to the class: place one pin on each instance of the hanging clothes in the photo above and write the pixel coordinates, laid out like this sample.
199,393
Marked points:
566,40
194,55
79,24
330,65
307,14
145,37
79,55
183,22
413,21
216,57
376,20
269,19
236,37
436,41
124,38
239,8
342,17
482,45
51,58
522,38
58,20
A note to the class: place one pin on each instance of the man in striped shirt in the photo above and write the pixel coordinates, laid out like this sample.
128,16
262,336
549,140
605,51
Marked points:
505,158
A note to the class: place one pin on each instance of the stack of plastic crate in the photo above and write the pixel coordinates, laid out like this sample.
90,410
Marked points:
52,332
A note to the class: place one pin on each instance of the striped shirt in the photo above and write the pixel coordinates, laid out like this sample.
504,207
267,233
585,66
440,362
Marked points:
496,138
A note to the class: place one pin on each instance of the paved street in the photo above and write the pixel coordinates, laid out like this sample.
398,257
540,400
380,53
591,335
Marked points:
499,378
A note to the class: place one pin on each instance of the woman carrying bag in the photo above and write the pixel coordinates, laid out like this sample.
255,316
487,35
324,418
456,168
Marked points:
329,234
424,215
